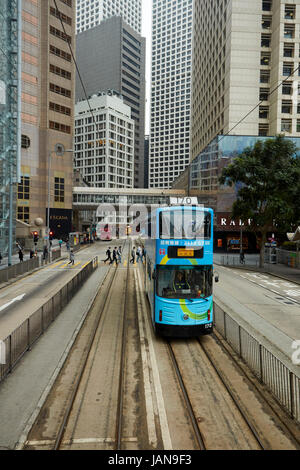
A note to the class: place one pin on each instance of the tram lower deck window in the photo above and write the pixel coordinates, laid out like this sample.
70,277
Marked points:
184,282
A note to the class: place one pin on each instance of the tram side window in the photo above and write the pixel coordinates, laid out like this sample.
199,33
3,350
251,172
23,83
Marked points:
184,224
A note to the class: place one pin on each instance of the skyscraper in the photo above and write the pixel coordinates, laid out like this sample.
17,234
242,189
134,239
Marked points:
119,64
242,51
171,91
48,86
90,13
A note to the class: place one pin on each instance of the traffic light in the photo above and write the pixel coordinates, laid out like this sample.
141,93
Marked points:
51,235
35,237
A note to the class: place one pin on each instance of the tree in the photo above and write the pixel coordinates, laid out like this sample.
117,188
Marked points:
269,174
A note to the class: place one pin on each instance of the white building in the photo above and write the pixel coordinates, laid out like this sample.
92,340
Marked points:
105,155
169,152
90,13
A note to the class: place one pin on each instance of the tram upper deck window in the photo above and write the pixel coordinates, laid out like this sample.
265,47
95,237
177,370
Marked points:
186,224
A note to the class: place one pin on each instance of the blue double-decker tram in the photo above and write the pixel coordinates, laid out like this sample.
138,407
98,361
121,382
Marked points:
179,270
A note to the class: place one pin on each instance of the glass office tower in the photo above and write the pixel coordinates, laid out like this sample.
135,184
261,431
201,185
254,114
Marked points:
9,120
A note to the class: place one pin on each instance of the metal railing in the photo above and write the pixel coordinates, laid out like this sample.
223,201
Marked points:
26,266
281,381
21,339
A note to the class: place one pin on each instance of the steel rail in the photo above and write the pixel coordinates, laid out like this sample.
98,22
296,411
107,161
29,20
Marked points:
292,435
119,422
234,399
189,407
64,422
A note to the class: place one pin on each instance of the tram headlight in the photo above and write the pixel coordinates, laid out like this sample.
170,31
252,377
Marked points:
185,317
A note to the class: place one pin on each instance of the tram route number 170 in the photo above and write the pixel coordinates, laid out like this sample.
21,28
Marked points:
183,201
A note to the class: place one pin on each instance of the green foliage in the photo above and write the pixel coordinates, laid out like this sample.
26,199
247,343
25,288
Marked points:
269,174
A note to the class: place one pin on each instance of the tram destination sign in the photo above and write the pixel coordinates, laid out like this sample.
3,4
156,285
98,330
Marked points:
183,201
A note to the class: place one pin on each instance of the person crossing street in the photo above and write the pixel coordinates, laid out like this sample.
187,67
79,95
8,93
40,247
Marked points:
108,254
72,258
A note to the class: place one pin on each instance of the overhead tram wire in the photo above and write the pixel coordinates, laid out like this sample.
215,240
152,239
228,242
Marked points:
251,111
76,65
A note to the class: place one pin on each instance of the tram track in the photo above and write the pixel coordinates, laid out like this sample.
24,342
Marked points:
267,428
57,438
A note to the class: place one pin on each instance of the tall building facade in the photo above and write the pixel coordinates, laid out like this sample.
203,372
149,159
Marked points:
119,64
171,91
242,51
48,94
90,13
104,156
9,120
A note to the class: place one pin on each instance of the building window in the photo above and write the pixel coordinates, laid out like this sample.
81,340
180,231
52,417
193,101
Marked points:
287,88
289,31
286,125
23,188
265,58
25,142
288,50
265,40
57,126
298,125
263,129
23,214
264,94
286,107
263,112
287,69
267,5
290,12
264,76
59,189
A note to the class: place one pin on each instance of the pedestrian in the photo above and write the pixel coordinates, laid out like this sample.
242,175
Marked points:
21,256
119,253
68,245
138,254
114,258
31,253
60,242
45,252
71,258
0,258
108,254
133,255
242,258
144,254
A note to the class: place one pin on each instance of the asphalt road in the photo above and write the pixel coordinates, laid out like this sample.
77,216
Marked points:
269,304
23,297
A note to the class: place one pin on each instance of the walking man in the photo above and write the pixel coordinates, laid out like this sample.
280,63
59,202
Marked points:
138,254
108,254
72,258
114,258
119,253
133,255
20,255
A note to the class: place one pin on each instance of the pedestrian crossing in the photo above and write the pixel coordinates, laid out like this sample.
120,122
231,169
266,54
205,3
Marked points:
65,264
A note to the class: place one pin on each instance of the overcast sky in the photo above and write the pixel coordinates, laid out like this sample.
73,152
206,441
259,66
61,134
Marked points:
146,32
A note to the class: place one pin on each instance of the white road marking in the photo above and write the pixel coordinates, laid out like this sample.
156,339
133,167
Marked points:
165,432
146,374
20,297
89,440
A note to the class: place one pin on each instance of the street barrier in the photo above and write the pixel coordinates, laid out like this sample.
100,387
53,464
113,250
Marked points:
281,381
26,266
22,339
